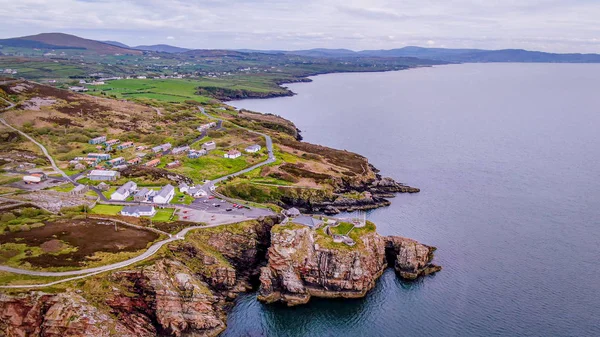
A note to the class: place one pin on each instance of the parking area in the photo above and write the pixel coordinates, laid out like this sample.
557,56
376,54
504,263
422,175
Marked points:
48,183
210,209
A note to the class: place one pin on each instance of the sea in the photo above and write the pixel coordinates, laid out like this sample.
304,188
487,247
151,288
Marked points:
507,157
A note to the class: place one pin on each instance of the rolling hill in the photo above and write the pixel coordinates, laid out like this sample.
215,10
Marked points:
162,48
66,41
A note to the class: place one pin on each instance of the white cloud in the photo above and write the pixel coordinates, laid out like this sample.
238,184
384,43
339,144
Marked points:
170,38
552,25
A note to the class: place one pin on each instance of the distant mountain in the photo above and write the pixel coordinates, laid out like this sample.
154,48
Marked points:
455,55
117,43
163,48
66,41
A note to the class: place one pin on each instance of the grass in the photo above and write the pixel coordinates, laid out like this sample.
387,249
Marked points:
342,228
182,198
167,90
106,209
163,215
62,188
110,191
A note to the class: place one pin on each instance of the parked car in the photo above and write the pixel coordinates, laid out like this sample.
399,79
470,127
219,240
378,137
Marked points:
217,205
229,210
211,197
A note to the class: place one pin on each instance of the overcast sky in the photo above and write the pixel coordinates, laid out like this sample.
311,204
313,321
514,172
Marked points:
548,25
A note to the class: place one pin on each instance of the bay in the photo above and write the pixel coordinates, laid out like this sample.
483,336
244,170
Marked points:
507,157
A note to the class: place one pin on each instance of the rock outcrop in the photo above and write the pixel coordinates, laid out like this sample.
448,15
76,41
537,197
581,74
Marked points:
409,258
61,315
300,266
304,263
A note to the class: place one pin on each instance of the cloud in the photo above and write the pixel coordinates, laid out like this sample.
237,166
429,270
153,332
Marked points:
170,38
549,25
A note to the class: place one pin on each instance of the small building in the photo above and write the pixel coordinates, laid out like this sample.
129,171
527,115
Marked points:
253,148
99,156
183,187
120,167
79,167
80,189
134,161
124,191
308,221
232,154
173,164
124,146
197,192
194,154
138,211
161,148
292,212
78,89
153,163
116,161
112,142
207,126
141,154
142,195
105,175
34,178
97,83
103,186
180,149
141,148
165,195
209,145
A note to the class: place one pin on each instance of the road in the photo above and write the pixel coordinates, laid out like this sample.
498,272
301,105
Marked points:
34,141
269,143
148,253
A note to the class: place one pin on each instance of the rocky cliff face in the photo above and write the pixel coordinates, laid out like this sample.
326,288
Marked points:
184,292
409,258
300,266
62,315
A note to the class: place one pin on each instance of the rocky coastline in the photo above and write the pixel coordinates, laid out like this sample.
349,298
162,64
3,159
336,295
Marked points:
189,288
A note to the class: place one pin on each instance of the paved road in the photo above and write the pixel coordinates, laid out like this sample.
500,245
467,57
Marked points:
269,143
148,253
35,142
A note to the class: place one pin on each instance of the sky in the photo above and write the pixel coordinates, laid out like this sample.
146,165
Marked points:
546,25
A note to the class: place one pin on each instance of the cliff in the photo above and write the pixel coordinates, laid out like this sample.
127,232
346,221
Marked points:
303,262
185,291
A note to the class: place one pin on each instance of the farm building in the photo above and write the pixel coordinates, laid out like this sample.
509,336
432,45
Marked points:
138,211
209,145
99,156
153,163
124,146
165,195
180,149
116,161
253,148
174,164
232,154
97,140
196,154
134,161
112,142
97,175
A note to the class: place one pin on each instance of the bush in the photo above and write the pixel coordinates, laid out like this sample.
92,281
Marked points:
6,217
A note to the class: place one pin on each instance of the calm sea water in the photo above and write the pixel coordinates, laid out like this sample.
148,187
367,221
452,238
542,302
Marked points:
507,157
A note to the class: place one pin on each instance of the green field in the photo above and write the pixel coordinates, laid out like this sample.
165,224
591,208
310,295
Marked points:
168,90
163,215
106,209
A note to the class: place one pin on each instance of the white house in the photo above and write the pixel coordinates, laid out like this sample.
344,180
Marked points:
138,211
209,146
165,195
183,187
253,148
124,191
197,192
232,154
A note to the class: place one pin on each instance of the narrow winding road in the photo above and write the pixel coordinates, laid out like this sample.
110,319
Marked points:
11,105
269,143
152,249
